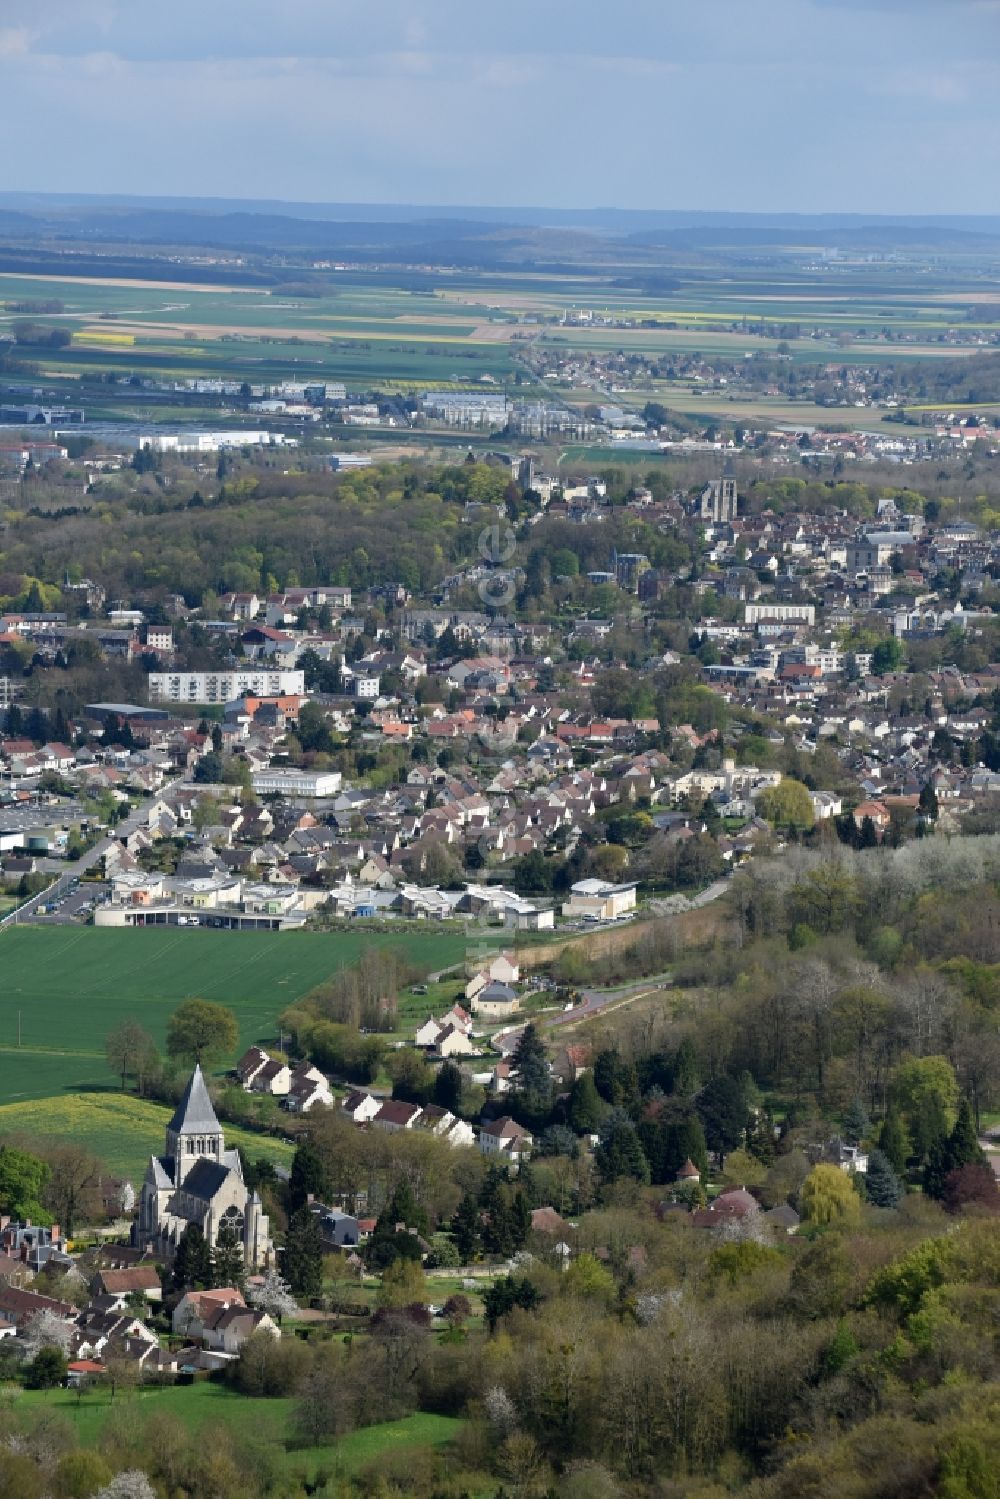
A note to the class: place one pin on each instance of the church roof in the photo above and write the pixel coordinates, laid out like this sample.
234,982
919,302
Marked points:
205,1179
195,1111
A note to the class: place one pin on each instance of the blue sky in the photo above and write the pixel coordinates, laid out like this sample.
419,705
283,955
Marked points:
808,105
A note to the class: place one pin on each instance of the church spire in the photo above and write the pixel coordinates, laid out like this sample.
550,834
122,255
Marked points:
194,1113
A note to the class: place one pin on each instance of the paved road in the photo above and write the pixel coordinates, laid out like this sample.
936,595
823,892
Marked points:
57,891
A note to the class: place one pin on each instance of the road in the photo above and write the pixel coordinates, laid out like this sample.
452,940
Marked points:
60,888
594,1000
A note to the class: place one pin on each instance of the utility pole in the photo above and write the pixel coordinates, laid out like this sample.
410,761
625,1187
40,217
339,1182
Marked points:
19,1030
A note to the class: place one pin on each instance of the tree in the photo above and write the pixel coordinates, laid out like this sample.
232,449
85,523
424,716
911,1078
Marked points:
23,1178
272,1295
403,1284
465,1229
971,1186
130,1051
883,1187
448,1087
587,1277
80,1474
856,1123
228,1267
828,1196
787,805
74,1185
620,1154
504,1295
192,1267
302,1260
887,657
531,1066
893,1141
308,1177
948,1155
45,1330
201,1031
47,1369
586,1106
724,1113
132,1484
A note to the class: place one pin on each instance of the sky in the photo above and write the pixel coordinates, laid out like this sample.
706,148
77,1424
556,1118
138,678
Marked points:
765,105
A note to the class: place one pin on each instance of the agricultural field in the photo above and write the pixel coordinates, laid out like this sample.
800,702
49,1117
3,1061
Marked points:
63,991
121,1130
258,1421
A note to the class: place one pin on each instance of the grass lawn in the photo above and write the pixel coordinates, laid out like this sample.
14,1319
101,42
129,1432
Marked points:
68,987
248,1418
123,1131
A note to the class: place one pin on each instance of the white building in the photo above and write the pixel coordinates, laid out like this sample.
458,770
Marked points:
282,781
223,686
599,900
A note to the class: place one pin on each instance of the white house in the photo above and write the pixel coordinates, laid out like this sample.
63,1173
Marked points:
505,1137
361,1107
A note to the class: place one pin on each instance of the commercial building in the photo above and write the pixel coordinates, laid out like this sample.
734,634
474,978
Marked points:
223,686
598,900
296,783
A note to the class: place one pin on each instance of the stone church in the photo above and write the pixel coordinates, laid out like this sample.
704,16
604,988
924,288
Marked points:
197,1180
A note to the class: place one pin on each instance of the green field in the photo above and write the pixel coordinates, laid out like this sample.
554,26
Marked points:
68,988
122,1131
249,1420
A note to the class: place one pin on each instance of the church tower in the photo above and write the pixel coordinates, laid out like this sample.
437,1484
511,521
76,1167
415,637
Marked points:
194,1133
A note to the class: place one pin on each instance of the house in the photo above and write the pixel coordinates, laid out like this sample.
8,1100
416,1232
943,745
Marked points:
454,1042
274,1077
226,1329
876,812
395,1115
140,1280
572,1061
496,1001
444,1124
505,1137
338,1230
249,1064
195,1305
361,1107
732,1207
308,1089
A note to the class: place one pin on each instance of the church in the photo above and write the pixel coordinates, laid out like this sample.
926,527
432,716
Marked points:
197,1180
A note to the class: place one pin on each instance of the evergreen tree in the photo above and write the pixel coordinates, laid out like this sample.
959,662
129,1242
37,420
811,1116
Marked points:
856,1123
521,1216
586,1107
228,1268
620,1152
531,1065
724,1114
893,1142
448,1087
302,1261
963,1143
192,1267
308,1176
465,1226
883,1187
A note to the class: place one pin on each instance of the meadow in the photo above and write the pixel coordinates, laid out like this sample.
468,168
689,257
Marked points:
62,991
261,1422
121,1130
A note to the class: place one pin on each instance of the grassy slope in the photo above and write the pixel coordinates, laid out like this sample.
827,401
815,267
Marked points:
123,1131
264,1420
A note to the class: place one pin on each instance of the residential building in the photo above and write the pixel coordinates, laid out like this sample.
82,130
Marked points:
223,686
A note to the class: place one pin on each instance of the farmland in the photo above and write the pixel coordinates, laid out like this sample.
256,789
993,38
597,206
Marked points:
70,988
